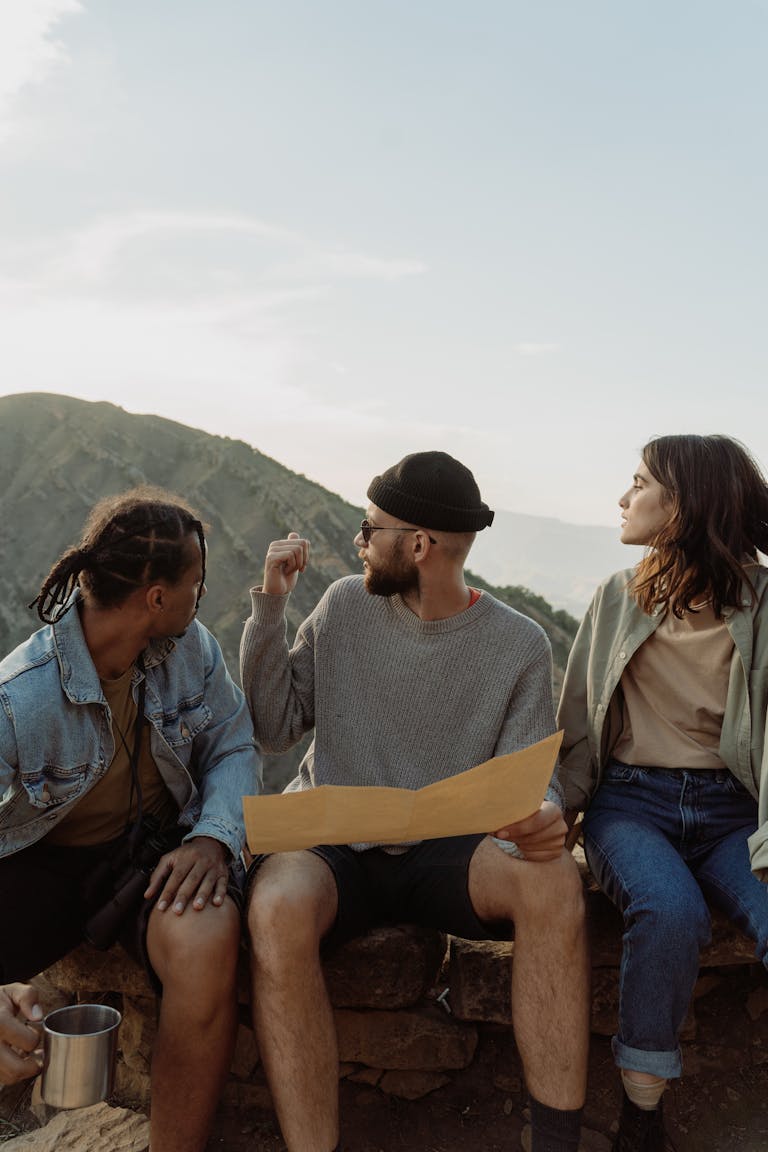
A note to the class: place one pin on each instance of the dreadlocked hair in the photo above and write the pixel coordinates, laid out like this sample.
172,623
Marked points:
719,522
129,541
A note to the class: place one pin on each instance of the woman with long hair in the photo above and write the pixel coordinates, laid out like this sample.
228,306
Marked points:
664,712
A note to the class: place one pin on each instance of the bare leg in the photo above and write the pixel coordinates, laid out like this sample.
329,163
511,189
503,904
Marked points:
645,1078
292,905
643,1088
550,973
195,957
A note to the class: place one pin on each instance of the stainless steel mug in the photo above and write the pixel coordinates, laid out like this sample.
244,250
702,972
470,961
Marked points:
79,1050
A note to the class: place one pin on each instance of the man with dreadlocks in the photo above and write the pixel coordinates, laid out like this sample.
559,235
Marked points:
125,749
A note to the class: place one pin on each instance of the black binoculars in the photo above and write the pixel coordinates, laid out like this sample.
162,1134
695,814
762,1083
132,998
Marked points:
131,871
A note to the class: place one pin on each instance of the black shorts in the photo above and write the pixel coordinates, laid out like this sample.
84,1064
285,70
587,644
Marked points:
48,892
426,884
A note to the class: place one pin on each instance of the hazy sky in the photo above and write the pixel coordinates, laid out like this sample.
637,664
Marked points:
532,234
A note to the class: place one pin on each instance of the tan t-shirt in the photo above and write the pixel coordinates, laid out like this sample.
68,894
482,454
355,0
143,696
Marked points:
674,689
103,812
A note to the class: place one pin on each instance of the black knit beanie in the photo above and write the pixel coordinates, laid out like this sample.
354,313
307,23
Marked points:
433,490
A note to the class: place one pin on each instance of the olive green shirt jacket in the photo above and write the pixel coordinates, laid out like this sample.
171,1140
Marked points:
590,704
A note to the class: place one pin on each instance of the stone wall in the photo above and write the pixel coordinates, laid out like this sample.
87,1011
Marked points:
408,1003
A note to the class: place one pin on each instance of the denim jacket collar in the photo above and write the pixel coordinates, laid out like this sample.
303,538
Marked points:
79,678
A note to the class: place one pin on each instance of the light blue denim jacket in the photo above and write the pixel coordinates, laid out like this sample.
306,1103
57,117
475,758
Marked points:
56,739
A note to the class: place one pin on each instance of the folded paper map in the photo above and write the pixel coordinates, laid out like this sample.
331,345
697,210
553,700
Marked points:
482,799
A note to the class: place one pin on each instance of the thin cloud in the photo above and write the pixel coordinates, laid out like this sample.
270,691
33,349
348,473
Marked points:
92,251
93,255
158,305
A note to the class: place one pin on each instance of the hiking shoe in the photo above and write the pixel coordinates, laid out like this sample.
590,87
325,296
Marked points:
639,1130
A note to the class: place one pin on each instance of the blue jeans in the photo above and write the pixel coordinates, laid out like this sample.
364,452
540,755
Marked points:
661,844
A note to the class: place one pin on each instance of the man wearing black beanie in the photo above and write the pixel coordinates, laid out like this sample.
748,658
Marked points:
409,676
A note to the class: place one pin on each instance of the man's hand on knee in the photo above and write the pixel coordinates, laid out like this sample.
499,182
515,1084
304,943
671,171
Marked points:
195,873
539,837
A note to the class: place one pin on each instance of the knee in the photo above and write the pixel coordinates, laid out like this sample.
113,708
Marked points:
554,896
198,947
282,922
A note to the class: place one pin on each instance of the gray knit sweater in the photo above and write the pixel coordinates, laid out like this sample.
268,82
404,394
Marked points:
395,700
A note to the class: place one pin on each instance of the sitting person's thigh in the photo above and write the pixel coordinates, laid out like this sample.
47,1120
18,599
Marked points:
643,873
43,906
432,887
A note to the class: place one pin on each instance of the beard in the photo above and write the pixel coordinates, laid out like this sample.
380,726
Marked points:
393,577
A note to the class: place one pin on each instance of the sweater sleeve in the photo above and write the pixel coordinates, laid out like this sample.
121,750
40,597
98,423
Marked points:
278,682
531,716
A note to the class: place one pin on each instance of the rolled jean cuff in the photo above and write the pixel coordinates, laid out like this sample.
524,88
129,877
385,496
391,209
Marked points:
668,1065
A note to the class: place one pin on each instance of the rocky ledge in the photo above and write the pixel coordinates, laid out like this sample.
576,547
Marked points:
408,1003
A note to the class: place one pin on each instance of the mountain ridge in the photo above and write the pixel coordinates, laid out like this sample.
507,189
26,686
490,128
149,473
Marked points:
59,455
560,561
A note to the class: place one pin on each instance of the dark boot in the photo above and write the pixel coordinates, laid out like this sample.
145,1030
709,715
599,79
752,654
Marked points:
639,1131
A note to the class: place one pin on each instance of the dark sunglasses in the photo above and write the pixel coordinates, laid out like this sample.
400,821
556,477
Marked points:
367,529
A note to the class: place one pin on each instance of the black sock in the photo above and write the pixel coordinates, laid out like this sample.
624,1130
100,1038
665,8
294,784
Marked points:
553,1129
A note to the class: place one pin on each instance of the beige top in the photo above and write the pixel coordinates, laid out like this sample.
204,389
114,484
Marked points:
674,689
103,812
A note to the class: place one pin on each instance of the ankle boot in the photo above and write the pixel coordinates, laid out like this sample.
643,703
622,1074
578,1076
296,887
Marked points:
639,1130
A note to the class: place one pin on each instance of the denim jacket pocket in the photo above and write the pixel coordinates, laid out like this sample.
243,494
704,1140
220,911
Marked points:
181,726
53,786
